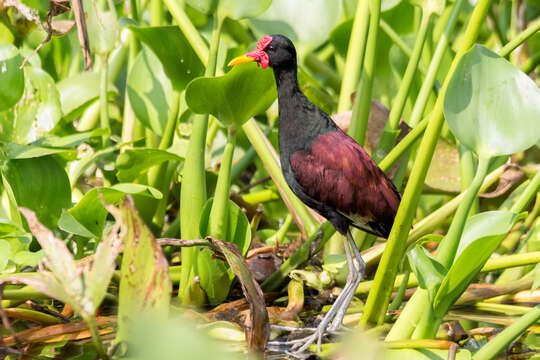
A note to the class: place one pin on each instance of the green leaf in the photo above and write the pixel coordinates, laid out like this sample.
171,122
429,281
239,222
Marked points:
72,140
133,163
41,185
429,272
145,284
88,217
241,9
305,21
149,91
234,9
481,237
17,151
11,77
491,106
180,62
102,26
5,254
78,90
216,277
243,92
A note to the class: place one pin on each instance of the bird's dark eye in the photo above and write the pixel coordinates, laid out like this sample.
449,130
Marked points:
271,48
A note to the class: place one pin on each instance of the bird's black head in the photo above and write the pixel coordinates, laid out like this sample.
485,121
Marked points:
276,51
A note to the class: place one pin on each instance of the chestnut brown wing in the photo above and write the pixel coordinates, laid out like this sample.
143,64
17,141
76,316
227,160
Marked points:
337,172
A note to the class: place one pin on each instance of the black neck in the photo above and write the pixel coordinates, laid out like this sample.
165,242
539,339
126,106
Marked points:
286,81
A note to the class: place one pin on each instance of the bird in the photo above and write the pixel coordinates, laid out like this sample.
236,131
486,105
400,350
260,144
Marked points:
327,169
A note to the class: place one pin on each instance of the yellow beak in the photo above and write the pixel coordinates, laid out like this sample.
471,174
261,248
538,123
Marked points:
240,60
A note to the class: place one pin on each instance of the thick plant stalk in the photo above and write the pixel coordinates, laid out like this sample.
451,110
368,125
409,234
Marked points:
391,131
379,297
219,212
264,149
362,103
193,191
355,55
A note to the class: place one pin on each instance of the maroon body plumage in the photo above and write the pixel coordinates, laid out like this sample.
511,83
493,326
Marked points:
336,171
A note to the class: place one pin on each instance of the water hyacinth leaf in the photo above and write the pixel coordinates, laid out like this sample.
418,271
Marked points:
41,185
72,140
133,163
243,92
103,30
481,236
78,90
149,91
39,110
491,106
318,18
89,215
5,254
241,9
18,151
169,44
145,284
216,277
11,77
429,272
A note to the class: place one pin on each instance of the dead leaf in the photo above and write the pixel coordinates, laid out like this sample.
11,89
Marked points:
257,326
509,178
62,27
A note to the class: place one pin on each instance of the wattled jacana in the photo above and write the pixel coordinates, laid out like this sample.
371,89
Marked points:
326,169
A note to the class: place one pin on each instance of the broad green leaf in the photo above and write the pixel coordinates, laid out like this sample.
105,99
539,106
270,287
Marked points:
481,237
303,21
429,272
17,151
491,106
145,284
89,215
180,62
78,90
133,163
234,9
241,9
149,91
41,185
243,92
11,77
5,254
216,277
39,111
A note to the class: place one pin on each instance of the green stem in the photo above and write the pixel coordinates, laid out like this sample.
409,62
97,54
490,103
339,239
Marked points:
467,171
103,103
531,63
502,340
268,156
427,85
219,213
527,195
448,246
193,190
362,103
390,132
191,33
532,29
396,39
378,298
355,55
96,339
156,12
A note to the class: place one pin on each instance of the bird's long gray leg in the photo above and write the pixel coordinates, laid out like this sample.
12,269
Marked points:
338,309
356,273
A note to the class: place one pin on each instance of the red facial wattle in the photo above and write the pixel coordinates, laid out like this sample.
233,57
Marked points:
259,54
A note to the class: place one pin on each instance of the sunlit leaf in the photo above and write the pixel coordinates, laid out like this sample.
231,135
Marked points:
491,106
233,98
11,77
5,254
103,31
234,9
149,91
133,163
179,60
78,90
429,272
481,237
